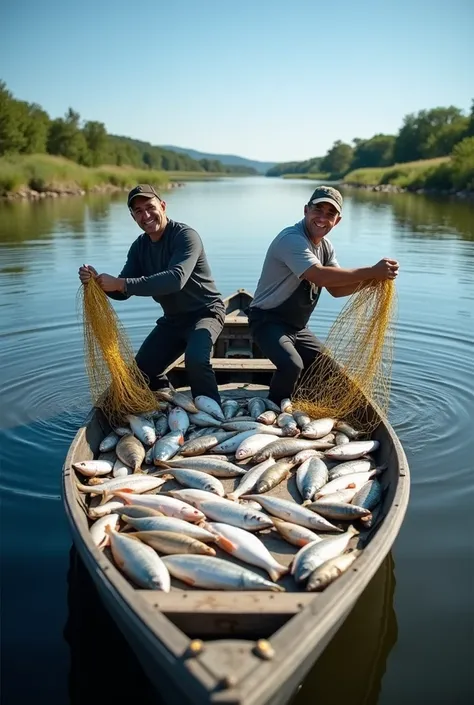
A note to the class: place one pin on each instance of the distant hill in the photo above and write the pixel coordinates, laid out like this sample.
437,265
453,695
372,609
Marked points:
229,159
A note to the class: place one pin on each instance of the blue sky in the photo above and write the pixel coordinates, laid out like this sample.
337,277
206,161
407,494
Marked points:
273,80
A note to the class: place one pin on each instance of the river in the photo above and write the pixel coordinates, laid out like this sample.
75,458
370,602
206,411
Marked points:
411,636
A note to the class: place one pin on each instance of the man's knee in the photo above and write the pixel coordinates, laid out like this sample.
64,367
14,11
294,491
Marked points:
291,365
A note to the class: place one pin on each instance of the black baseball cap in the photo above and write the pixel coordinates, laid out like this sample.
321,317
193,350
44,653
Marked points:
144,190
327,194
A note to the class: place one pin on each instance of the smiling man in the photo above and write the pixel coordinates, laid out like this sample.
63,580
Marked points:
168,262
299,263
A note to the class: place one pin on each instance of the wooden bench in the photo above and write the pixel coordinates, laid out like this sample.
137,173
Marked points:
229,363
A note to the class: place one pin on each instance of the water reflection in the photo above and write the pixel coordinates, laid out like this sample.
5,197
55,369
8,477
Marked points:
350,669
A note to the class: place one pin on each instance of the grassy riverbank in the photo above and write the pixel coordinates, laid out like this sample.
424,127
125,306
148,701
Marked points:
308,177
46,174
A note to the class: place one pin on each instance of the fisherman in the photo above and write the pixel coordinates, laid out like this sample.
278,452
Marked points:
167,261
300,262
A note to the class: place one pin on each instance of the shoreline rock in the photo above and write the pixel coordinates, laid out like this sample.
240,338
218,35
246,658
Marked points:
59,191
392,188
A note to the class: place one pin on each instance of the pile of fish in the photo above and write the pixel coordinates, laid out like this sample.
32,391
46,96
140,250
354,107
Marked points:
170,488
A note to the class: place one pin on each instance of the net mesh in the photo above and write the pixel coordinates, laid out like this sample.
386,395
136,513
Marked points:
356,368
117,386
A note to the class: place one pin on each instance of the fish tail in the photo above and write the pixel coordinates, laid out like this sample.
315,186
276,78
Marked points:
276,573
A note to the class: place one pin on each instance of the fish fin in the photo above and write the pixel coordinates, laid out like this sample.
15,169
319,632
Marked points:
128,490
276,573
108,530
232,497
226,544
105,542
105,498
306,502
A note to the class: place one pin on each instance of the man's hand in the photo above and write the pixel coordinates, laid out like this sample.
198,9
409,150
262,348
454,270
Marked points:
109,283
385,269
86,272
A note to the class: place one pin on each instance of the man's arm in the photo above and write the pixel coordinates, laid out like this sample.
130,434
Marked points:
114,287
348,280
188,247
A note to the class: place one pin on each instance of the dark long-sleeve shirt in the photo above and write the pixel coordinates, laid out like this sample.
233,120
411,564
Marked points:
174,271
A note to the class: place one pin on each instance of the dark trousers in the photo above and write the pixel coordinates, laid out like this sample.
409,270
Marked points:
291,351
170,339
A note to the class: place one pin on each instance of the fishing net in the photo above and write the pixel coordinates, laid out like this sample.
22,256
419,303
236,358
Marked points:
117,385
355,371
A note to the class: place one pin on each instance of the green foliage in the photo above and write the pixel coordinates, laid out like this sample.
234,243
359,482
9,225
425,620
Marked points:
429,133
377,151
310,166
339,159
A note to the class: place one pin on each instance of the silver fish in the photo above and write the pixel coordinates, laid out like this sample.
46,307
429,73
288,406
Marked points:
194,497
109,442
170,542
318,428
143,429
131,452
369,495
178,399
247,548
294,533
242,426
352,450
120,469
178,420
341,438
167,447
230,407
301,418
250,445
93,468
201,418
196,479
198,446
350,467
211,465
355,480
313,555
330,570
235,514
311,476
256,406
161,425
209,406
139,562
338,511
250,479
284,447
290,511
101,510
98,533
216,574
308,453
169,506
137,483
274,475
268,417
165,523
288,424
347,429
122,430
286,406
271,406
134,511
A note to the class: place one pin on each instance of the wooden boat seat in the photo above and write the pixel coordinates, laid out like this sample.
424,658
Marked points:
224,363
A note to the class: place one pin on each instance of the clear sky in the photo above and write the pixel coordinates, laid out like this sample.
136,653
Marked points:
274,80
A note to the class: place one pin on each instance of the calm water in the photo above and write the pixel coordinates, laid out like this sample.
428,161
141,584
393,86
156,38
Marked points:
411,636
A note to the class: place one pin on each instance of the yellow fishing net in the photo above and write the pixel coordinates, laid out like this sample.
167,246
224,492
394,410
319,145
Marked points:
117,385
356,368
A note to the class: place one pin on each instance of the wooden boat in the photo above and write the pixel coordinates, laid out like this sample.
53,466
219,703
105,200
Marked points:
228,667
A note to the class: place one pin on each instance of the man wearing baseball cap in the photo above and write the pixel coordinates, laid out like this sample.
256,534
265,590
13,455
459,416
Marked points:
299,263
167,262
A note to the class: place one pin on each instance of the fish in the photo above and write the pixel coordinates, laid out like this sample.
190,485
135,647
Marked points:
122,430
250,445
311,476
290,511
353,481
209,464
286,406
169,506
350,467
139,562
209,406
330,570
198,446
101,510
294,533
216,574
352,450
109,442
318,428
201,418
369,495
170,542
274,475
178,420
315,554
178,399
247,548
347,429
137,483
242,426
143,429
196,479
301,418
194,497
338,511
164,523
284,447
288,425
161,426
98,533
256,406
271,406
268,417
372,519
94,468
167,446
231,444
308,453
134,511
228,512
120,469
250,479
230,407
341,438
343,496
149,455
131,452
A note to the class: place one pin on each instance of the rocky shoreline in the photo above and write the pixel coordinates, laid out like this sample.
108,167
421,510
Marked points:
392,188
61,190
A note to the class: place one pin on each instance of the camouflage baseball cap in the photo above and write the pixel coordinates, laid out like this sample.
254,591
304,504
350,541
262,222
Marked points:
327,194
144,190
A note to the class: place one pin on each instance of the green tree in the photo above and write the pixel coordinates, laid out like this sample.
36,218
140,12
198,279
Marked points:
338,160
429,133
67,140
95,136
377,151
12,120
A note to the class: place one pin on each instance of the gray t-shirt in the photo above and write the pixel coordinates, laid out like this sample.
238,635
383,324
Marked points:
290,254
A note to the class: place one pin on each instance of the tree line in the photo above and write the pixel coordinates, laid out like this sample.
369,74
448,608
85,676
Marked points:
25,128
423,135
